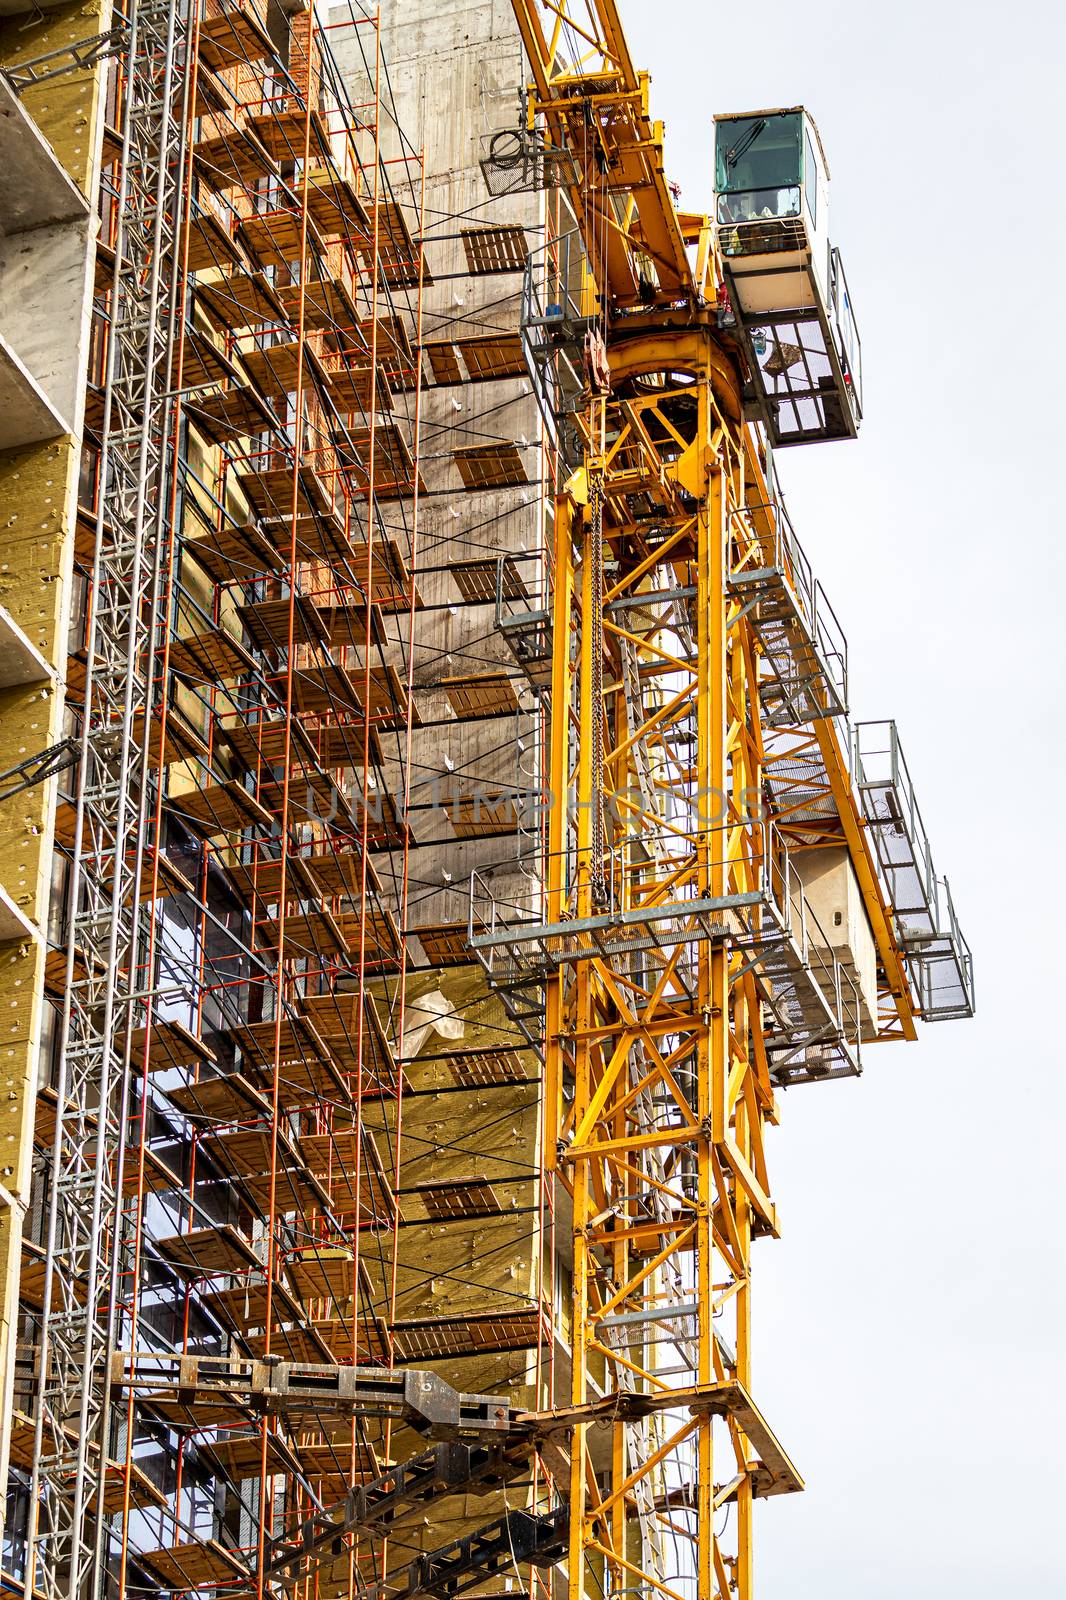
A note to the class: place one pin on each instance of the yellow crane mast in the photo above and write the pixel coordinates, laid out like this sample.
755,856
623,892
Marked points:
707,797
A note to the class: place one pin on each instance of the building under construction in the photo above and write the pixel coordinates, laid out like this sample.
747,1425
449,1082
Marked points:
434,832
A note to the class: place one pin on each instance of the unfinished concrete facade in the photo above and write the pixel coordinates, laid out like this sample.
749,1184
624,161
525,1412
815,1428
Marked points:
393,563
481,1316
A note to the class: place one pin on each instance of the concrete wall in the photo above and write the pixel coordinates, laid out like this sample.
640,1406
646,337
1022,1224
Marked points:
832,893
455,68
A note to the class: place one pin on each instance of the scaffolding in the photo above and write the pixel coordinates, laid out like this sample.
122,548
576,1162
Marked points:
107,935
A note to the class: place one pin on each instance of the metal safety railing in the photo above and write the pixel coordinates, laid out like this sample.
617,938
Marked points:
945,968
845,331
523,616
814,1002
901,844
934,948
805,650
553,326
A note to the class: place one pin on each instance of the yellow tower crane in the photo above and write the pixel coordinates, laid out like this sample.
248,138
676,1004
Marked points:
737,895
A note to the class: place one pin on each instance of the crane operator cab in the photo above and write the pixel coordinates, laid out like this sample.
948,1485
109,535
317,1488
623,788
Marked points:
787,295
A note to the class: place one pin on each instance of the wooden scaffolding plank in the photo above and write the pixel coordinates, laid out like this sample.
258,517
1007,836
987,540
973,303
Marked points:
233,159
331,1461
341,745
327,305
336,1016
211,246
55,971
395,352
383,574
294,1039
276,238
374,930
445,944
321,536
401,262
156,1178
307,933
339,872
486,814
352,385
262,742
171,1044
231,414
143,1493
245,1304
491,466
272,490
351,691
21,1440
212,657
220,809
394,470
486,357
333,1158
478,578
493,355
291,1191
193,1566
305,1071
283,132
258,883
492,694
494,1068
233,36
495,249
200,1414
221,1100
45,1114
32,1278
334,203
315,797
453,1200
177,741
475,1333
240,1455
85,535
249,1152
322,1272
235,554
370,1343
274,369
267,623
205,1251
202,362
444,362
301,1343
169,880
240,301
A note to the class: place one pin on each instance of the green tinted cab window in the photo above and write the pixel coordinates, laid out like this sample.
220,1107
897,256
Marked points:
759,152
810,184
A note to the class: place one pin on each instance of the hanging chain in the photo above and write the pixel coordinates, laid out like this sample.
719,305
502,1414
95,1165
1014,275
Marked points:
598,863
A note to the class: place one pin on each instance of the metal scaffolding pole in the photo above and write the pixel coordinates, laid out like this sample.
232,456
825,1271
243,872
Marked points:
106,925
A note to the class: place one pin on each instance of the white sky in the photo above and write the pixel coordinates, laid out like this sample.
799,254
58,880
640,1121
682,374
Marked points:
910,1321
